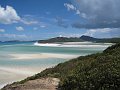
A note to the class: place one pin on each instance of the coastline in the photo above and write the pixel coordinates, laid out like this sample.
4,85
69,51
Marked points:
22,57
20,73
43,80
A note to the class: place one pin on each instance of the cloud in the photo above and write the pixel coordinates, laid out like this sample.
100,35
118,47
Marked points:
69,6
13,36
20,28
8,15
91,32
2,30
29,22
73,8
91,25
104,32
98,13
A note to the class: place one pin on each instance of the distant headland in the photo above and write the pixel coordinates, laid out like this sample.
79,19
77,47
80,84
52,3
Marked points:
80,39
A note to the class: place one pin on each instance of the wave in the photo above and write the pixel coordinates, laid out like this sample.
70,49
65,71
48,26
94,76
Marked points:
75,44
47,44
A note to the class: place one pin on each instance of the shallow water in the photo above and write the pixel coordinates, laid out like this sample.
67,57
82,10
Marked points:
13,69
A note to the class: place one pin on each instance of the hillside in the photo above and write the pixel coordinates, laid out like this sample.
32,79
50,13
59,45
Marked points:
100,40
80,39
99,71
88,38
61,39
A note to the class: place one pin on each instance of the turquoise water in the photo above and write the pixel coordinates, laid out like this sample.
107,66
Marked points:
10,66
31,48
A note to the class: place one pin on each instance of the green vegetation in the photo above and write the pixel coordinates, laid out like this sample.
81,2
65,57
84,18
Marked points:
61,39
99,71
100,40
110,40
96,72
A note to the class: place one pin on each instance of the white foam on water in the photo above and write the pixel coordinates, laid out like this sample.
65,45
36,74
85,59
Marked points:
47,44
74,44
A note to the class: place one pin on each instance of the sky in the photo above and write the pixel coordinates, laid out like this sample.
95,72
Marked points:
43,19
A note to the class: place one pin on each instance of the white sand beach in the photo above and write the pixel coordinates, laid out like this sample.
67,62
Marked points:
12,74
17,73
41,56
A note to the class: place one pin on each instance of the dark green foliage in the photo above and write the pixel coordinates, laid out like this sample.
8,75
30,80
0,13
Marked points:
61,39
96,73
88,38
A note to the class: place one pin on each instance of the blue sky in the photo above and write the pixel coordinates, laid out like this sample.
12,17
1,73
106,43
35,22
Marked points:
42,19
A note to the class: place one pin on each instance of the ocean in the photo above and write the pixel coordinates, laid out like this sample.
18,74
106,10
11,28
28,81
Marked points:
19,60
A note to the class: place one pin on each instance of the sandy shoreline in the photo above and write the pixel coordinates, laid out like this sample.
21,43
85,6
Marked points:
17,73
41,56
14,74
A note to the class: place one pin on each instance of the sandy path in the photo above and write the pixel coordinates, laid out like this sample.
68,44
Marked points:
38,84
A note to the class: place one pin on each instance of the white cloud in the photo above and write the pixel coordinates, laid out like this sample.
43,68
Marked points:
8,15
29,22
69,6
73,8
63,34
2,30
97,13
20,28
78,12
13,36
92,32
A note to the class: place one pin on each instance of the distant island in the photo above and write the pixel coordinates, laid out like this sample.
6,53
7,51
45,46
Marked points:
99,71
80,39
